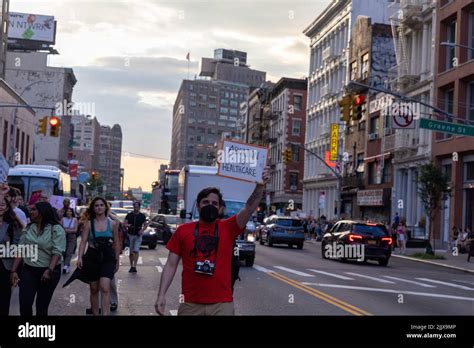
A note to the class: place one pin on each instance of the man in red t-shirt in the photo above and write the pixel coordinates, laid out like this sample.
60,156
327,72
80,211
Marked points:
206,276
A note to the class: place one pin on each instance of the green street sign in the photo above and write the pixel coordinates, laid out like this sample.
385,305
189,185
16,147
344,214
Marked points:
447,127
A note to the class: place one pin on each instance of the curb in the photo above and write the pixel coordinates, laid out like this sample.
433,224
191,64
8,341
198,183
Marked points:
434,263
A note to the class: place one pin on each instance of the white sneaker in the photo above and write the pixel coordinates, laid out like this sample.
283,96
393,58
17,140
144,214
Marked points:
67,269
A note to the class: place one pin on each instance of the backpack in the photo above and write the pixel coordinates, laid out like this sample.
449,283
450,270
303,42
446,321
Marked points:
234,267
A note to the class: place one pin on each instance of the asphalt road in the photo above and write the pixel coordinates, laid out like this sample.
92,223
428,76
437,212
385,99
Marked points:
287,281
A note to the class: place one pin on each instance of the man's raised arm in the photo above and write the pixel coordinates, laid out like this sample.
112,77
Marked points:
253,201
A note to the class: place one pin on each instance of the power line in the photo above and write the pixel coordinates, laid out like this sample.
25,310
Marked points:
124,153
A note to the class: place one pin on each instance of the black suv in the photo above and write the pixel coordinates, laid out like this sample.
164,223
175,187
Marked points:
371,239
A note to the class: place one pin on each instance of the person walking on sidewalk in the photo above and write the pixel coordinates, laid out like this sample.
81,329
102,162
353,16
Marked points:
402,236
205,248
41,270
69,223
10,230
135,222
101,261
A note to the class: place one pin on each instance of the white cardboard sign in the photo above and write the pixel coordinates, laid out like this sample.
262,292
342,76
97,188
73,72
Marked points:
241,161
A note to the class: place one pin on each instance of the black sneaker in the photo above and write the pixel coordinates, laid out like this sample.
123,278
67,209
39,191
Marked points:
130,270
89,311
113,307
134,270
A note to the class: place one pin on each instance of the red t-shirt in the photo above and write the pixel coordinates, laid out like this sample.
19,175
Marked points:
202,288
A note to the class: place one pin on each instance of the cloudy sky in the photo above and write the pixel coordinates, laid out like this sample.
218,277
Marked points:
129,57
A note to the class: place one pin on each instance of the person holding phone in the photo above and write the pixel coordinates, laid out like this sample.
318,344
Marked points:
41,272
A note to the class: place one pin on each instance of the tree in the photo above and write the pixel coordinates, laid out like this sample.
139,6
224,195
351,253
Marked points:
432,187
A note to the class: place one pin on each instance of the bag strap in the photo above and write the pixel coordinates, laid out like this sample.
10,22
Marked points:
93,228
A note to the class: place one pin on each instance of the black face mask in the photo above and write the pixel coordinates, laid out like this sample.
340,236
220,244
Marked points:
209,213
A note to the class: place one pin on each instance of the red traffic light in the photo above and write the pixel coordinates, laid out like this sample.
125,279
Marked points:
53,121
360,99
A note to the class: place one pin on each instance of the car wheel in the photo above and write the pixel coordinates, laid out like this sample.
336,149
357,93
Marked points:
290,245
323,251
383,262
249,262
300,245
270,243
152,246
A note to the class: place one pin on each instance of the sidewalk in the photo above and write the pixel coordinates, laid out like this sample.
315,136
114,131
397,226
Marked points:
454,262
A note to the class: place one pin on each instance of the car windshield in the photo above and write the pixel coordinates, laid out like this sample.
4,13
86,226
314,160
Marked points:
120,211
171,220
288,223
370,230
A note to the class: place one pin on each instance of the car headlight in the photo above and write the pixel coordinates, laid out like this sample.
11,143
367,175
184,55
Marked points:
152,232
250,238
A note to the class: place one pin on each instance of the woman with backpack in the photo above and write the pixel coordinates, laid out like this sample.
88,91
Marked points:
10,229
101,261
42,268
69,223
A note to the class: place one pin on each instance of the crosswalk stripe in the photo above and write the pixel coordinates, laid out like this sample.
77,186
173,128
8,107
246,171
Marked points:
159,269
294,271
173,312
427,294
410,281
163,260
445,283
261,269
372,278
330,274
140,260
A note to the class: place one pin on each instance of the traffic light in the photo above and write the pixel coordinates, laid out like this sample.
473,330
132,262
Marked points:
55,126
345,106
94,175
358,107
287,156
42,125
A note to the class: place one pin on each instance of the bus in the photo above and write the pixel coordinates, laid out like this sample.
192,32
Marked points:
47,179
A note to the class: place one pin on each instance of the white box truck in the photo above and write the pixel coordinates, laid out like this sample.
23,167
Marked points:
193,178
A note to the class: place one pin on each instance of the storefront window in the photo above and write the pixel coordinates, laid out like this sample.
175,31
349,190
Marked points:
469,171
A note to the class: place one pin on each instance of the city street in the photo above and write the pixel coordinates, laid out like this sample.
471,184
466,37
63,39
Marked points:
294,282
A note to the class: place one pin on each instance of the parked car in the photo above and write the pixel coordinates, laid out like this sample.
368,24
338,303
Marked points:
283,230
373,238
246,244
121,213
259,227
164,226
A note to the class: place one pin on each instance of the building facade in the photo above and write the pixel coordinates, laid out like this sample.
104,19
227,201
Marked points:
18,128
287,131
86,146
110,156
44,86
454,93
329,33
206,108
414,39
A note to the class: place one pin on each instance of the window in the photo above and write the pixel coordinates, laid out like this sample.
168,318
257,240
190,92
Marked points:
295,153
374,125
450,50
224,102
365,66
212,106
224,110
372,173
469,171
354,70
298,102
192,103
470,110
201,130
234,112
296,128
387,172
293,181
447,168
211,131
203,97
448,99
233,103
471,34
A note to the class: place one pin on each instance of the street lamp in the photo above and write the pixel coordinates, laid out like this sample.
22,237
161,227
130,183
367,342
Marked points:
452,44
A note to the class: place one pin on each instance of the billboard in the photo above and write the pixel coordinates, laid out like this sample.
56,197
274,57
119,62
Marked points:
31,27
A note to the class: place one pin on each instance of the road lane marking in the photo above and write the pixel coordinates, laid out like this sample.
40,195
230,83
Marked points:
463,281
173,312
320,295
410,281
163,260
371,278
294,271
331,274
445,283
261,269
159,269
427,294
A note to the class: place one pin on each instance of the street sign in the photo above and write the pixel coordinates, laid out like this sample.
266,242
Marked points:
447,127
3,169
334,141
403,114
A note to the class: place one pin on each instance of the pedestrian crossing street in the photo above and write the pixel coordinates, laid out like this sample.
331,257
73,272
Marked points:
375,283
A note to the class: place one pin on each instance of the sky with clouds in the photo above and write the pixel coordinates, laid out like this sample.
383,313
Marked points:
129,57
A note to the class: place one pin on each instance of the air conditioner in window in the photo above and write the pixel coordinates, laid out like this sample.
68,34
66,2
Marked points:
293,187
372,136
